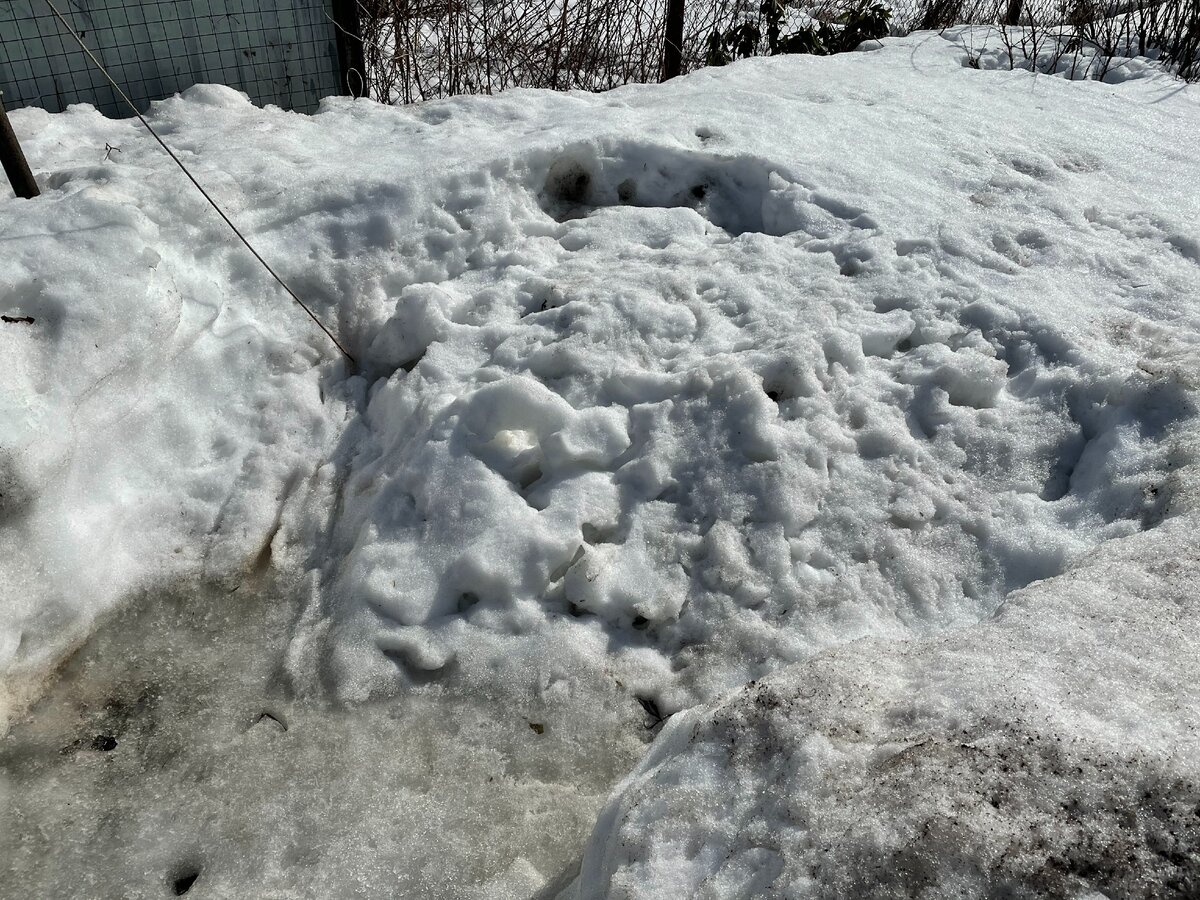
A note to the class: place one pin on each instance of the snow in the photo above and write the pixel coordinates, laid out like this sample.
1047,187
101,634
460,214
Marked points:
219,771
720,410
152,422
1051,750
876,372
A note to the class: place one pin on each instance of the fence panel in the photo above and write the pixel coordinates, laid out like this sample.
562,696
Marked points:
278,51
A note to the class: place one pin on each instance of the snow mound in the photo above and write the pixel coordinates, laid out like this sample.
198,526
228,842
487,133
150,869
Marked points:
1049,752
688,413
143,430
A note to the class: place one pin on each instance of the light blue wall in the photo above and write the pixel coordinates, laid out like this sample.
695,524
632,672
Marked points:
278,51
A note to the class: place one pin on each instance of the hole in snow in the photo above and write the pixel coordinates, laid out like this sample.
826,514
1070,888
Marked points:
1158,502
1058,484
738,194
560,572
782,381
262,560
15,495
654,715
595,534
182,882
528,476
568,183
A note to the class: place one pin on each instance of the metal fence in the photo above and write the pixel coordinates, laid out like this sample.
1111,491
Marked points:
284,52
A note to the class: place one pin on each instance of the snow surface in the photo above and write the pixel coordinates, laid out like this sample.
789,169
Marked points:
218,772
662,390
1049,752
695,396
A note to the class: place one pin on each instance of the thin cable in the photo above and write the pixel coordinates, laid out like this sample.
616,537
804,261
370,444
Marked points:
193,180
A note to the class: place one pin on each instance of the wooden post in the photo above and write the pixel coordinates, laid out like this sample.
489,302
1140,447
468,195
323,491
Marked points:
352,65
562,39
15,166
673,44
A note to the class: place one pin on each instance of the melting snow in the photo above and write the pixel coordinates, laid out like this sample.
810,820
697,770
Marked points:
663,390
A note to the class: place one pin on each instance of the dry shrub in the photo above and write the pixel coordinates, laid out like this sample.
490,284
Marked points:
423,49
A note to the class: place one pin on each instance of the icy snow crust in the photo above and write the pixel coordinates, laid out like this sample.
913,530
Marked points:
1048,753
663,390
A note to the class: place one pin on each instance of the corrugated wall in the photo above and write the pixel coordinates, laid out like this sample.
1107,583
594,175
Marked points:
278,51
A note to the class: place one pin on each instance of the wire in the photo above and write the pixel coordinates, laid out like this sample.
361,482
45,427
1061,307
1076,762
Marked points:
193,180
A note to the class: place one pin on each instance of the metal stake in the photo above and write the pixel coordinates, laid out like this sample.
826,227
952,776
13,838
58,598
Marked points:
15,166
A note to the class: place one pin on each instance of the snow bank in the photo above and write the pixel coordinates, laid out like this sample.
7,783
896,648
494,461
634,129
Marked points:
1049,752
160,404
703,377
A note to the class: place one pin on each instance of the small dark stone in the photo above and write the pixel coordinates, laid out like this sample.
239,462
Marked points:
104,743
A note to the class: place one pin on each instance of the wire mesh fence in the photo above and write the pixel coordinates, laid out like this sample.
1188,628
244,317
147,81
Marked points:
279,51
